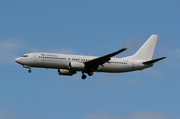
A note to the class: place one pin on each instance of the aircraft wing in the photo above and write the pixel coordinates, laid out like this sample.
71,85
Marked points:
95,63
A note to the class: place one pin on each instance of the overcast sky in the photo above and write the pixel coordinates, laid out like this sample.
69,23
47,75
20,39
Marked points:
95,27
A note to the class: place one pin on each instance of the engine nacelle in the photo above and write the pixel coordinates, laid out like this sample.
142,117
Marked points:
66,72
77,66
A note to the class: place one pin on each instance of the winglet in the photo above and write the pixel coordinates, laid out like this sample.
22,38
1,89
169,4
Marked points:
127,44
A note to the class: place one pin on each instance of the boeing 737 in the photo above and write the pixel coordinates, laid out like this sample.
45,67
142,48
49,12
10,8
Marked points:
69,65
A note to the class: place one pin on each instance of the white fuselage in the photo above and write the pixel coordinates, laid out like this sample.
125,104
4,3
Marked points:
70,64
61,61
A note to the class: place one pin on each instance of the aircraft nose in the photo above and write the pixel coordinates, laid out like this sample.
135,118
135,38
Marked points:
18,60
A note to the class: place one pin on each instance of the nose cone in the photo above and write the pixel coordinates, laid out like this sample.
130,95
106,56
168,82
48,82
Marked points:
18,60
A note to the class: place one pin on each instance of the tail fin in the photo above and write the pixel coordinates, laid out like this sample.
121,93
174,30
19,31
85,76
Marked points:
147,49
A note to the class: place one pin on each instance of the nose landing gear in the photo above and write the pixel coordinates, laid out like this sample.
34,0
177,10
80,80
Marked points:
25,66
29,70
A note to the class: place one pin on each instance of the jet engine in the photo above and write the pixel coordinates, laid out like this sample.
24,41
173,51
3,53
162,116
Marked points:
77,66
66,72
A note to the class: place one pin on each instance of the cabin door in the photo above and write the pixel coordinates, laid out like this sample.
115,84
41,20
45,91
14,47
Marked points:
35,57
133,64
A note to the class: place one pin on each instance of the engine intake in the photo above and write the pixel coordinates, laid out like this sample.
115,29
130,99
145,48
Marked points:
66,72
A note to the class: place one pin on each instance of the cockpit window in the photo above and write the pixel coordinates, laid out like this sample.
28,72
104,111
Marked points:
24,56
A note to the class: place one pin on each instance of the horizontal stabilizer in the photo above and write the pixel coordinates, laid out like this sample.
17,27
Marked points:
153,61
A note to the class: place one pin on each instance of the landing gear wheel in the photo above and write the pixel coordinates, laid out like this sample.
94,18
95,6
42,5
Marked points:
29,70
83,76
90,73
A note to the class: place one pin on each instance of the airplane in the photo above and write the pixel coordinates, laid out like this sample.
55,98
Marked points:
68,65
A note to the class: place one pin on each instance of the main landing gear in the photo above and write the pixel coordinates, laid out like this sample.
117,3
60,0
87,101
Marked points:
84,76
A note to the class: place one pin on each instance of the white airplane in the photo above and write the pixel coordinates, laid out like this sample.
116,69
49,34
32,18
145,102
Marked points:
70,64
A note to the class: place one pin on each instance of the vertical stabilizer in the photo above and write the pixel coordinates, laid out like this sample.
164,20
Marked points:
147,49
